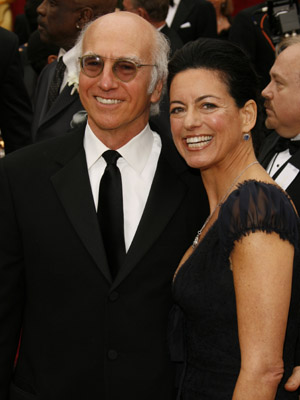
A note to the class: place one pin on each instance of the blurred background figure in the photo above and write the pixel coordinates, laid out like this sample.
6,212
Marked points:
192,19
224,10
26,22
15,106
251,31
6,16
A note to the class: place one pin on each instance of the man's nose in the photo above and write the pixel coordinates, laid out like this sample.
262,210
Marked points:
107,79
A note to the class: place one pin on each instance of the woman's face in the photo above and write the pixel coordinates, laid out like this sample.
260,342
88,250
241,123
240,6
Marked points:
206,124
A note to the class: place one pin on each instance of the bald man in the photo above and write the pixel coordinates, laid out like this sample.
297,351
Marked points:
94,326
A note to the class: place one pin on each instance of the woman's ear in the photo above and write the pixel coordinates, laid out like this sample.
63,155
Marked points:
249,114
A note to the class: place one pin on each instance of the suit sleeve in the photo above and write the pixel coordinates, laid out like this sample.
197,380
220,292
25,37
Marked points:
12,291
15,104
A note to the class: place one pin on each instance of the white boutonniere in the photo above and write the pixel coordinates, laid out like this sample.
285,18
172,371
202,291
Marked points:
73,80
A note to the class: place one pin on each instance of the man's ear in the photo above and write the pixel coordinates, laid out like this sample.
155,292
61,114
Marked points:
86,15
143,13
155,96
249,114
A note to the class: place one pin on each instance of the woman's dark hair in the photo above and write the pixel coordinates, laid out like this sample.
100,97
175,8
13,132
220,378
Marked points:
225,58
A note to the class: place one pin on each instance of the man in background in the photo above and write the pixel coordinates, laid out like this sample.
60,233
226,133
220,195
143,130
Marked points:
15,105
192,19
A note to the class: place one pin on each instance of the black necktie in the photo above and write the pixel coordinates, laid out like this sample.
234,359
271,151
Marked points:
110,212
56,82
284,144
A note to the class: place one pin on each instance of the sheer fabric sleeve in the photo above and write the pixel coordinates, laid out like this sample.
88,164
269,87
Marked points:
257,206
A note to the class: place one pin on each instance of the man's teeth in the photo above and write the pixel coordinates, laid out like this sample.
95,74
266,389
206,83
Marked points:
108,101
198,141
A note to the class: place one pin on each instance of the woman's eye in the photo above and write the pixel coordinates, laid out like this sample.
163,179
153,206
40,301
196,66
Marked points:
209,106
176,110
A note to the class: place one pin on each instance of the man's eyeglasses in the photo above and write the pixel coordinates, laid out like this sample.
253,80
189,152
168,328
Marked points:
125,70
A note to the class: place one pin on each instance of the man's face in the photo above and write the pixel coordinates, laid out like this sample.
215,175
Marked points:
282,95
57,21
118,111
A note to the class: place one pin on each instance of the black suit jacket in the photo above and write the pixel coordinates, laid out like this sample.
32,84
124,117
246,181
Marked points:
247,33
15,105
85,336
199,16
173,37
55,121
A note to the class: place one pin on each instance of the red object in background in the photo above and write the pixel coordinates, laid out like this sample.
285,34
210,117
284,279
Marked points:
241,4
17,7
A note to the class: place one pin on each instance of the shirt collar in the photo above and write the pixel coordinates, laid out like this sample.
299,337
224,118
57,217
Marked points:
136,152
297,137
70,59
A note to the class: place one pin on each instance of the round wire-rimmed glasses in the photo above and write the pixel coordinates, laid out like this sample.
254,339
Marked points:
124,69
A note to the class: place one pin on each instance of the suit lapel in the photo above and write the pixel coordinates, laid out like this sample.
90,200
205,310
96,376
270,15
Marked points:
267,151
63,101
183,10
162,203
72,185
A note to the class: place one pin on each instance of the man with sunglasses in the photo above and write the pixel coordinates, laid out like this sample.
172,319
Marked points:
93,312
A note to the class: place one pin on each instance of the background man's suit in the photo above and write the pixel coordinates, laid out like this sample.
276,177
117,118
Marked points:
195,19
266,153
15,105
81,332
247,33
55,121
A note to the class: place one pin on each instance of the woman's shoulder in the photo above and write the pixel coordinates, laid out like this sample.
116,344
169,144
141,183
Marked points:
259,206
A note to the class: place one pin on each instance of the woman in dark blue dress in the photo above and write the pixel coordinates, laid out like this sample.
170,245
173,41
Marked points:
237,287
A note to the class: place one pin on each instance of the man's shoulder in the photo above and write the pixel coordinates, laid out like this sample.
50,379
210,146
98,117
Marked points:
49,150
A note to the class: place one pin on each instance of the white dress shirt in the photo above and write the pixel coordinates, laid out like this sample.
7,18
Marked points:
137,167
172,12
70,59
279,159
289,173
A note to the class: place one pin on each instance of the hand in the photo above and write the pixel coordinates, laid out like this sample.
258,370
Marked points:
293,382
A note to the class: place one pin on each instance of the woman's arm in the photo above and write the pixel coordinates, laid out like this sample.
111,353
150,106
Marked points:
262,267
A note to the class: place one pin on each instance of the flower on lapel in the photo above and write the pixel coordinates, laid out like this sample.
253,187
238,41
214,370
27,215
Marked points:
73,80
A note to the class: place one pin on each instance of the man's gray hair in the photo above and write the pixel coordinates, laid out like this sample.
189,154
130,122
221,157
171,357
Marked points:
160,72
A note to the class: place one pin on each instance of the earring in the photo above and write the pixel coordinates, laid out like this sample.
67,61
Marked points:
246,136
77,26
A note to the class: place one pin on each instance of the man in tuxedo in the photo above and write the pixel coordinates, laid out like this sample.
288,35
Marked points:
280,152
93,310
192,19
56,99
155,12
15,106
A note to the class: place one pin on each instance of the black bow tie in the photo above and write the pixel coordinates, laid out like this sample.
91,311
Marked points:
284,144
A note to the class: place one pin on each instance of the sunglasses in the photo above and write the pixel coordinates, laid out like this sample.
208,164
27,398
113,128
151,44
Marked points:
125,70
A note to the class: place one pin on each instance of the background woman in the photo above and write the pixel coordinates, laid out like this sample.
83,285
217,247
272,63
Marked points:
238,285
